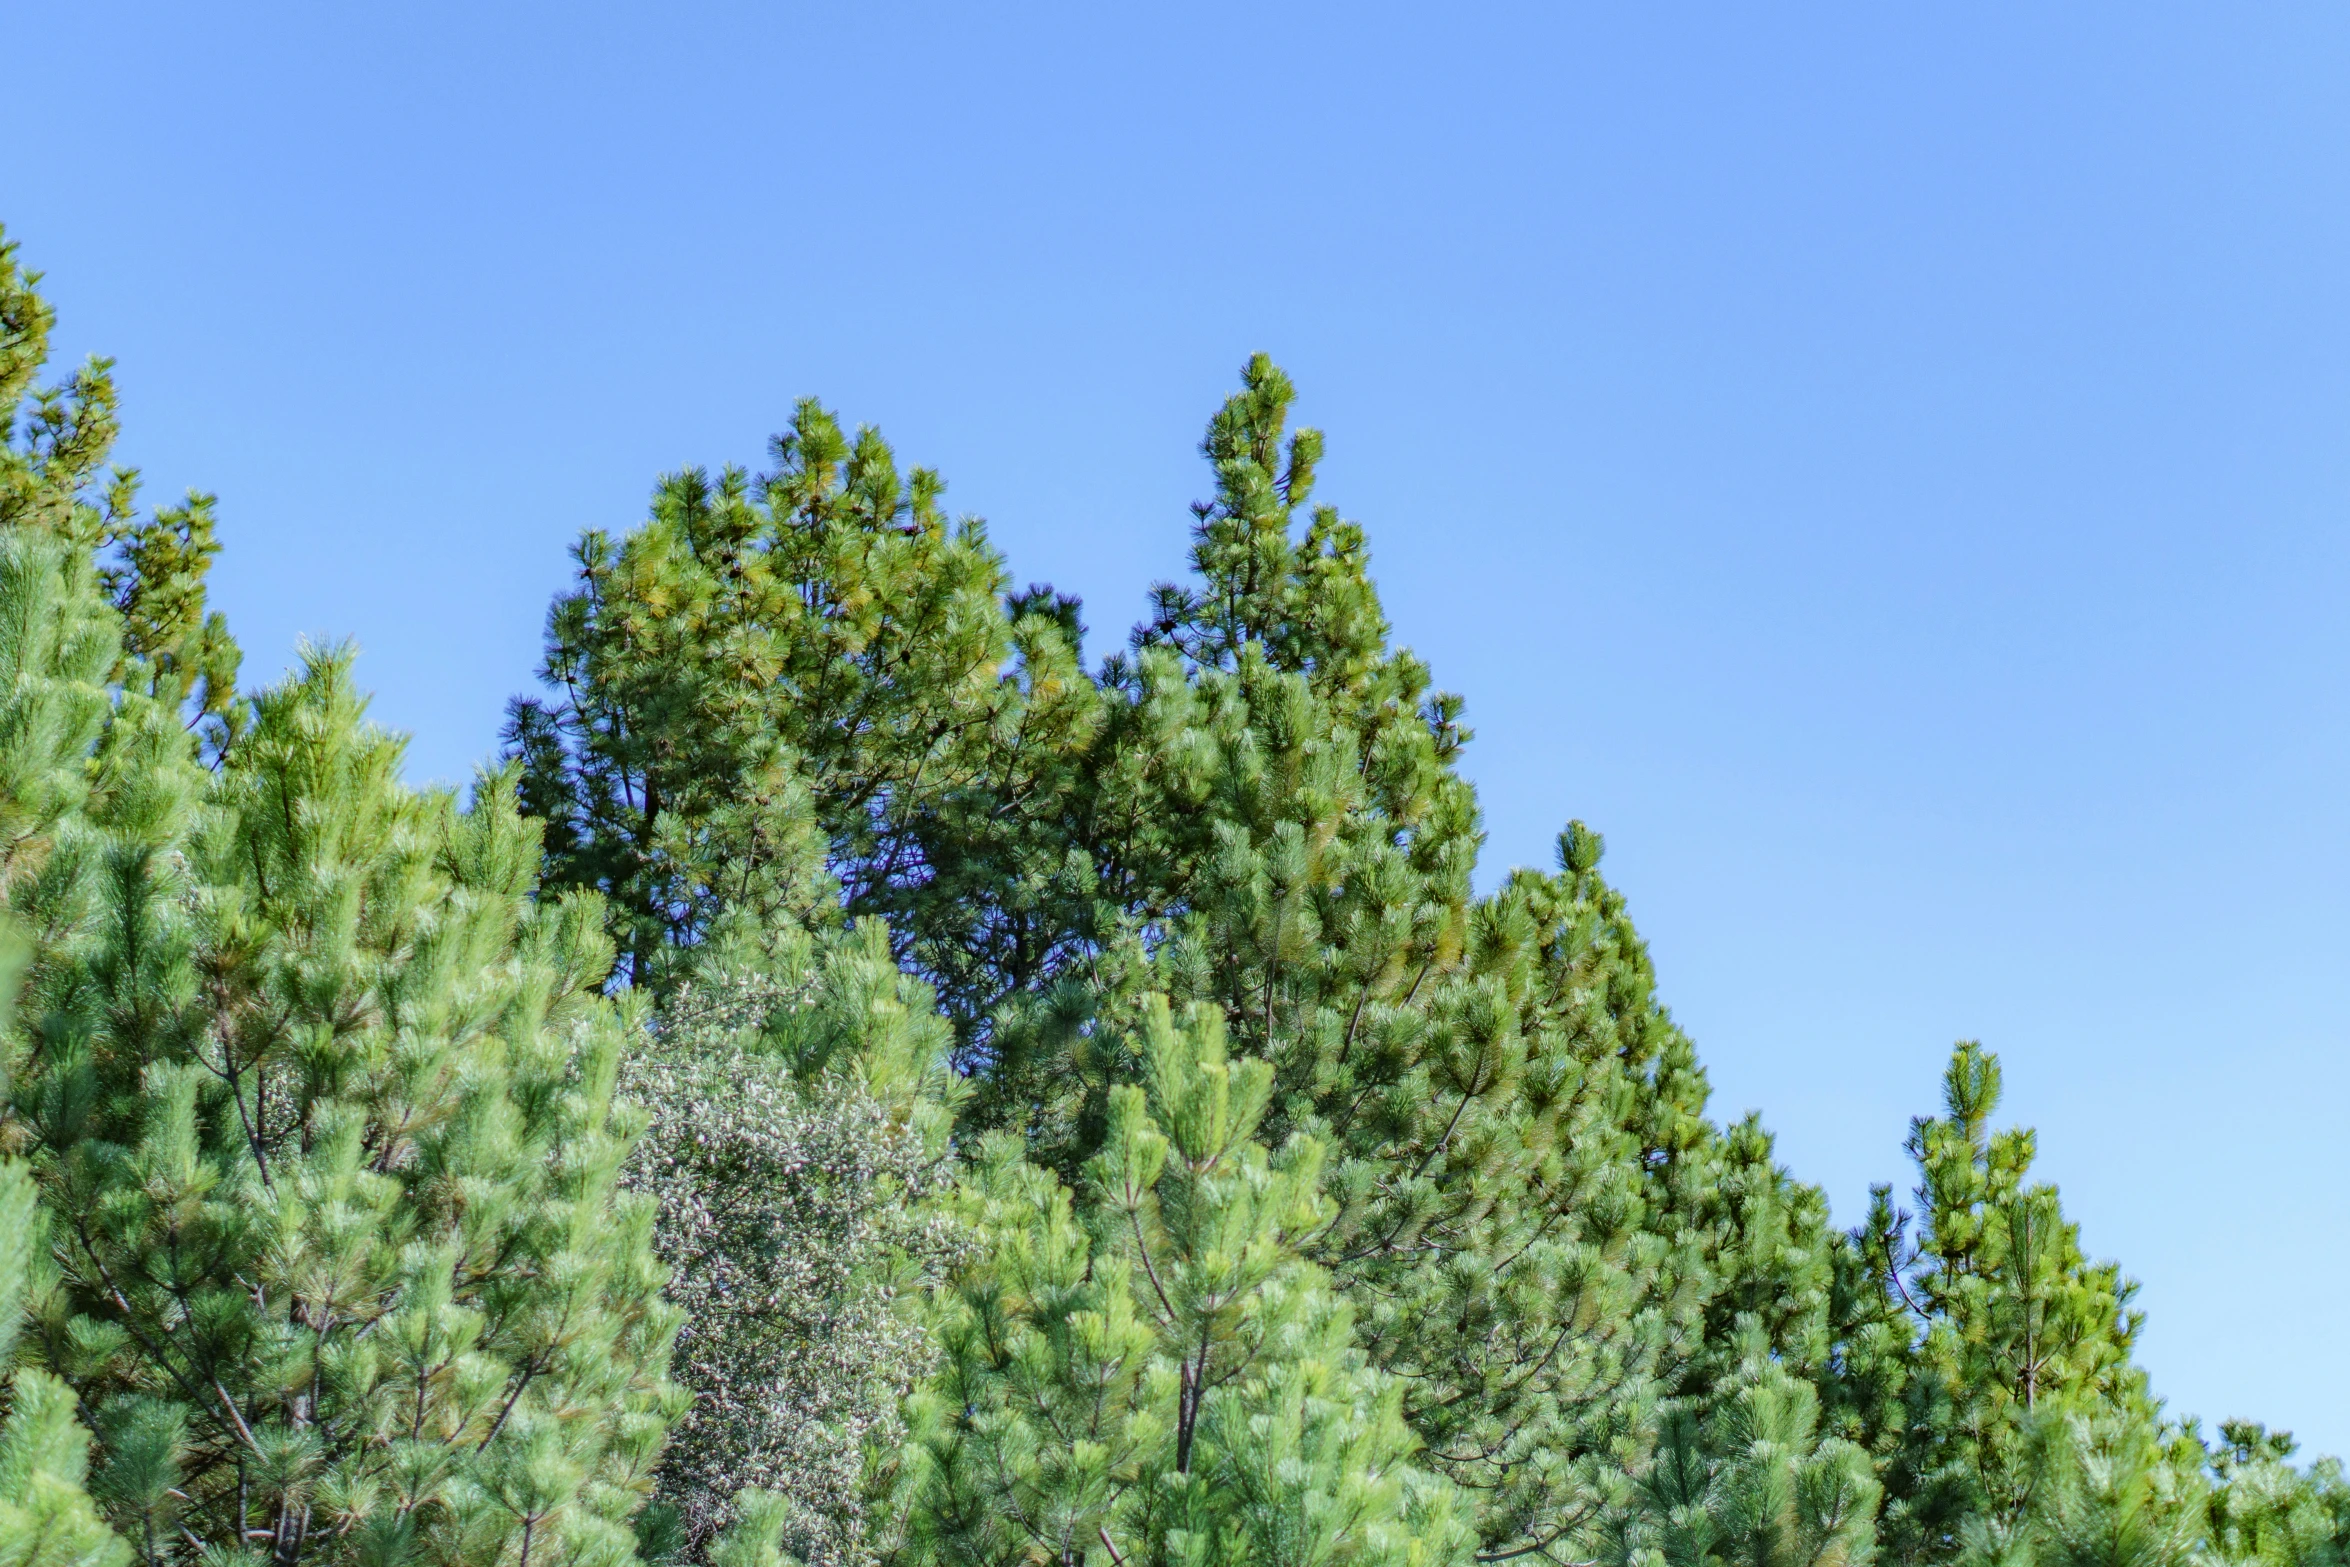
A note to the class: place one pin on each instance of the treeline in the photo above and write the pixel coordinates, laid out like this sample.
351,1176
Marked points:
859,1084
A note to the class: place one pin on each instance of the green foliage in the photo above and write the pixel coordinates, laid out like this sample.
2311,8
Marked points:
1751,1483
1318,1209
54,649
1258,811
756,1539
799,1111
2106,1497
319,1096
2262,1509
2101,1492
1967,1336
773,671
54,443
46,1516
1153,1372
328,1109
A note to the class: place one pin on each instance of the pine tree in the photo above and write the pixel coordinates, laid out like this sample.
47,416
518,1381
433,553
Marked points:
54,443
334,1142
1980,1329
51,658
46,1516
316,1186
1748,1481
320,1099
1529,1190
2101,1491
2262,1509
1258,811
1151,1372
822,628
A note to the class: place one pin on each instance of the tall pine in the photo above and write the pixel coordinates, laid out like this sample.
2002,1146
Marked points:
817,651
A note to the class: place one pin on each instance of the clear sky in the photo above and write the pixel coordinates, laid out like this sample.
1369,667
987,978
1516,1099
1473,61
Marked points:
1886,467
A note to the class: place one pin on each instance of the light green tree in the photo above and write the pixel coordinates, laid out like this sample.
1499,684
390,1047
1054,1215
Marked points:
2263,1509
318,1096
47,1518
1147,1370
1746,1479
53,652
1981,1328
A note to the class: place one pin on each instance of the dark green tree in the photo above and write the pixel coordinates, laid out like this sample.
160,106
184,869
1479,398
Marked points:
810,666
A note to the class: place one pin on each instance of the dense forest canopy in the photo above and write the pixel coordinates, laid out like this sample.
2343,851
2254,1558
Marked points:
858,1083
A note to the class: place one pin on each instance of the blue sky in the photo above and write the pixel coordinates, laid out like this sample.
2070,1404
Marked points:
1885,467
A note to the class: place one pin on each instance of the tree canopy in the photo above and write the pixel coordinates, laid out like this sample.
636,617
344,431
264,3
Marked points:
859,1085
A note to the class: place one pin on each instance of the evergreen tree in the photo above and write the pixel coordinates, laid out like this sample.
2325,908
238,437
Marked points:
1258,811
49,695
1531,1199
321,1188
1748,1481
321,1100
54,443
1151,1372
1981,1328
820,629
46,1516
2262,1509
331,1122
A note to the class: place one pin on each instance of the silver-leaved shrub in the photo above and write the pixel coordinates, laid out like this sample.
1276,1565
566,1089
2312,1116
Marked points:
799,1108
